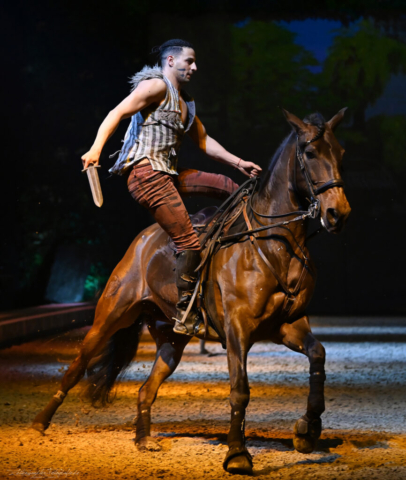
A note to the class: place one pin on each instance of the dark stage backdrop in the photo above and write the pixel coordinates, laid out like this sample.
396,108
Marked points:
67,64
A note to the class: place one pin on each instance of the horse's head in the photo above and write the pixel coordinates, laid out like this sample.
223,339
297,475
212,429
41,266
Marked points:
318,167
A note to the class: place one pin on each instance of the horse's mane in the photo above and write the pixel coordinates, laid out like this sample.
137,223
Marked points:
276,155
273,162
315,119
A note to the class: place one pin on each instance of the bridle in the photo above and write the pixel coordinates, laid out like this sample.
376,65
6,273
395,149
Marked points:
314,203
313,193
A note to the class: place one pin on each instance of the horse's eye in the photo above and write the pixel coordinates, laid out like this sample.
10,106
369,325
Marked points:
310,155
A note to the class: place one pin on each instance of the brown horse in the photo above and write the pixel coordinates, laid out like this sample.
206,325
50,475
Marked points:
259,288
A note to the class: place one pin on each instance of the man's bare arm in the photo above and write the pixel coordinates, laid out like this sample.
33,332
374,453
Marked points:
214,150
147,93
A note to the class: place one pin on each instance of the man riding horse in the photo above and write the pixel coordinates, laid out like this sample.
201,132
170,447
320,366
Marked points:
161,114
258,282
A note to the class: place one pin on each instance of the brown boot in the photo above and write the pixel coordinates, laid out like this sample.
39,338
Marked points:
186,278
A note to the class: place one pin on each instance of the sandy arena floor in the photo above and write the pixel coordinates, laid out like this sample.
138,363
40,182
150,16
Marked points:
364,423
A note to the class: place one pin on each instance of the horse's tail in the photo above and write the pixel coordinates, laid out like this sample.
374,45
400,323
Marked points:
113,362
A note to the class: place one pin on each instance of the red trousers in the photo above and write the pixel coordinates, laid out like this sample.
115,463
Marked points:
161,192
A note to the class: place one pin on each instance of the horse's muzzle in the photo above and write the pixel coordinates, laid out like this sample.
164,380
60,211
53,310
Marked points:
334,220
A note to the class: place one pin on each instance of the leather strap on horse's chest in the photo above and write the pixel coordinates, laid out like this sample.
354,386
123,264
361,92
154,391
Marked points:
254,241
290,295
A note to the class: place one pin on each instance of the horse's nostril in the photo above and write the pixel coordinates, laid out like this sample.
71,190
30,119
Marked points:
333,216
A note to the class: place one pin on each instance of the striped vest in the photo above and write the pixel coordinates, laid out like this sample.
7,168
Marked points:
156,135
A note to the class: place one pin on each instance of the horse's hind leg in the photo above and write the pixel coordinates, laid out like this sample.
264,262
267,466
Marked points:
298,337
112,314
94,341
170,346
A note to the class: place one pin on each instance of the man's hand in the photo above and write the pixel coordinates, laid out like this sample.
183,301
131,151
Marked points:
248,168
90,158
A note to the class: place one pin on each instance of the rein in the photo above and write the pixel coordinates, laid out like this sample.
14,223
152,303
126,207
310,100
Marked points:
312,212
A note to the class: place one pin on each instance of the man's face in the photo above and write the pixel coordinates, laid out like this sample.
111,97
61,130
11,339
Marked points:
184,64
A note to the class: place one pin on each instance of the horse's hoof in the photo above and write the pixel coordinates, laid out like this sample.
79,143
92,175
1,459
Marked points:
307,432
147,444
238,461
239,466
33,434
39,428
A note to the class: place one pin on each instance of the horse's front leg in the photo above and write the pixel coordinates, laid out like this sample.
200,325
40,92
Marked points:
238,459
298,337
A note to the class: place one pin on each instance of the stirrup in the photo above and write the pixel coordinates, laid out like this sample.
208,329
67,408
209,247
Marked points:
183,328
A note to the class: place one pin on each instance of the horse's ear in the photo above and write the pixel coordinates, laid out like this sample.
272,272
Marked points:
336,120
295,122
